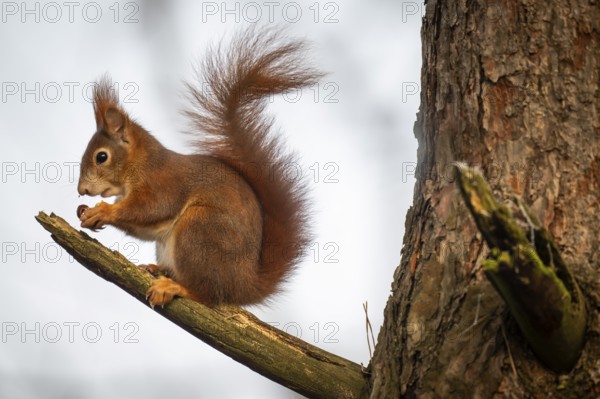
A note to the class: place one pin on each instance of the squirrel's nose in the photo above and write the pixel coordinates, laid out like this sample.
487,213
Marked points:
82,190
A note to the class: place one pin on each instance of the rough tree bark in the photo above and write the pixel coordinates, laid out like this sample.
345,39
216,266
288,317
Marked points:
512,87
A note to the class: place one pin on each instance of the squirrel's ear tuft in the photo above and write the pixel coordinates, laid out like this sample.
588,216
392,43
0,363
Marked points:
110,117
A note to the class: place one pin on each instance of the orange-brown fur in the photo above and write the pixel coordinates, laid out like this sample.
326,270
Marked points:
228,224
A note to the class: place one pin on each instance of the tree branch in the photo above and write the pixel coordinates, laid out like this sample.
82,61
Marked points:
527,270
235,332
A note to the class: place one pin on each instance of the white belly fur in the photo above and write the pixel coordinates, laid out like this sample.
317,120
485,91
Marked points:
165,244
165,253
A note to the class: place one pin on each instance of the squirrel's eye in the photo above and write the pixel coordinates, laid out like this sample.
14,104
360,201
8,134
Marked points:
101,157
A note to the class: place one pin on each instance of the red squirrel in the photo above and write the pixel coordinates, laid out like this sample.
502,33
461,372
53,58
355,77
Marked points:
229,225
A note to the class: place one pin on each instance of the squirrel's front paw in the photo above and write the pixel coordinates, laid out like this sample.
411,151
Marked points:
163,290
97,217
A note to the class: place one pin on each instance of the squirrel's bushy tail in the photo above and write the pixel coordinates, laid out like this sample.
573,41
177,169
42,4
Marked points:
228,109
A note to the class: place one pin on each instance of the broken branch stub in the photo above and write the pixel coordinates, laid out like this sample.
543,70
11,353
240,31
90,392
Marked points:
528,272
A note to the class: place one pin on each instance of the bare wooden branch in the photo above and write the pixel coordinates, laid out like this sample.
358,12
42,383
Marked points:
529,273
232,330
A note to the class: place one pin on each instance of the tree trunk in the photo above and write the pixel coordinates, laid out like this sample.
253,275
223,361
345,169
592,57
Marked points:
512,87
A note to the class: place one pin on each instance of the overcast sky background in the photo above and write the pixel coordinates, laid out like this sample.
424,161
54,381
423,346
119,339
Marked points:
65,333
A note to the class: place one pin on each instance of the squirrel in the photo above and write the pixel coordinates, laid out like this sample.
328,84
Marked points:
229,225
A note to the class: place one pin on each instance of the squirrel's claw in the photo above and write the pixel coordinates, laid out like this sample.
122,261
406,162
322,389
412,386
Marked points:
163,290
94,218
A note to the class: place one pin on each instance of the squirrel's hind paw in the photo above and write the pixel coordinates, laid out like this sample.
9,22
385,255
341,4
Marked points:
163,290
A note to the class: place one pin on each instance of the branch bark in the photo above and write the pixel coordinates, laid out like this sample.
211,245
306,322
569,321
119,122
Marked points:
232,330
527,270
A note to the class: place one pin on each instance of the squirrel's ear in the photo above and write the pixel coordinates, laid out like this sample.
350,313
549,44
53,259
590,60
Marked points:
114,122
109,115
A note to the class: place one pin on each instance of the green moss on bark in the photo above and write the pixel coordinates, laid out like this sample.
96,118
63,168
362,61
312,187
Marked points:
528,272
